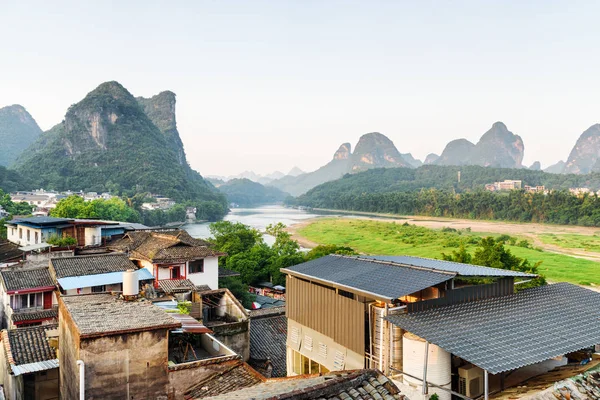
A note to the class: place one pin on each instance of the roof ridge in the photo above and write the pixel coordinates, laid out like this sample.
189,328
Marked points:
399,264
112,254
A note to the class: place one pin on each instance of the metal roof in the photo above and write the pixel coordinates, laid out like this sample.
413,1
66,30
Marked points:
34,367
450,266
41,220
33,247
510,332
110,278
382,279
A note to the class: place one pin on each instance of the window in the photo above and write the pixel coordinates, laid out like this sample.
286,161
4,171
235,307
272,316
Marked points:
29,300
304,365
28,235
345,293
20,233
98,289
175,273
36,238
196,266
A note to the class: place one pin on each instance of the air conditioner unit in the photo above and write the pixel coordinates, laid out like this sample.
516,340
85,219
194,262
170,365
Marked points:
470,381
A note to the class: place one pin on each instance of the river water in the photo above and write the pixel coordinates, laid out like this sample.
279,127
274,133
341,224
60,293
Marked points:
257,218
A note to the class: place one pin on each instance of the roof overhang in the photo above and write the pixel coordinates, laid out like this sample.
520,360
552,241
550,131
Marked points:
33,247
33,367
31,290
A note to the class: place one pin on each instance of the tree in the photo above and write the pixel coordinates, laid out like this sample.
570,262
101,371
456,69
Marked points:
233,238
326,249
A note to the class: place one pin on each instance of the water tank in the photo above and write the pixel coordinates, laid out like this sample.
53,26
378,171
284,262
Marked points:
438,365
131,285
378,334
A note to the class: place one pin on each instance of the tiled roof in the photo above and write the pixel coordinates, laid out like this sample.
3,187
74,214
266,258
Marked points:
100,314
28,346
23,277
450,266
380,279
164,246
224,272
234,376
509,332
269,302
91,265
271,311
22,316
341,385
176,285
9,251
268,335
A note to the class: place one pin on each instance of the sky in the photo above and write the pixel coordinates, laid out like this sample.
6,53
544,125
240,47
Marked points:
269,85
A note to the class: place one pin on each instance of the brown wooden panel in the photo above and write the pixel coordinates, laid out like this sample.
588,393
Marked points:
327,312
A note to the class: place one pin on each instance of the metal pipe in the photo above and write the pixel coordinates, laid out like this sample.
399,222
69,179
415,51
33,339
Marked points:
370,335
425,368
462,396
81,379
381,343
397,308
384,325
485,385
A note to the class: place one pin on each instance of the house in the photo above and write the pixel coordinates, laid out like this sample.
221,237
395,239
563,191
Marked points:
94,273
9,253
430,320
268,335
132,349
171,254
3,213
35,230
27,292
365,384
29,364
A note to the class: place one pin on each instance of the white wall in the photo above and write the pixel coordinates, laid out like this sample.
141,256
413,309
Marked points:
209,277
14,236
93,236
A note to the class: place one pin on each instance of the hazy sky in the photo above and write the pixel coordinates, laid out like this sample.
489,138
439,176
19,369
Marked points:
267,85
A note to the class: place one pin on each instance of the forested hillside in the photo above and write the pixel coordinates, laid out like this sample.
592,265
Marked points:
246,193
434,190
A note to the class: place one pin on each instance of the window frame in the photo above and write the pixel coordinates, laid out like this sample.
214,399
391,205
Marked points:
201,263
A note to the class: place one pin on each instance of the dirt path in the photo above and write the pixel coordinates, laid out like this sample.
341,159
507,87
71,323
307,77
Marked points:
528,230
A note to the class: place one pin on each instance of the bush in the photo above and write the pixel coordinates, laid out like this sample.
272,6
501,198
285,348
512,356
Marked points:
66,241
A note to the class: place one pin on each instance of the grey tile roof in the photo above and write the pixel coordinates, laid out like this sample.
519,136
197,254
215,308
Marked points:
269,302
449,266
268,334
28,345
23,315
231,376
224,272
25,277
509,332
100,314
382,279
42,220
176,285
340,385
91,265
9,251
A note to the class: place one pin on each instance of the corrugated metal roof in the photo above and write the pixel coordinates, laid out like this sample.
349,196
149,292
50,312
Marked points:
33,247
190,324
34,367
384,280
74,282
458,268
506,333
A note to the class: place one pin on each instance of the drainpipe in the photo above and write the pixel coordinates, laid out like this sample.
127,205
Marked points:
425,388
81,379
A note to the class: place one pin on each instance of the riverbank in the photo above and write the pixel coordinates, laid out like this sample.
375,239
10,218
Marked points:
371,235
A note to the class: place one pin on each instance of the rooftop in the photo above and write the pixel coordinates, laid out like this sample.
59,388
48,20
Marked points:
91,265
224,272
509,332
26,315
104,314
28,350
45,221
26,277
268,335
107,278
9,251
164,246
351,384
382,280
231,376
450,266
176,285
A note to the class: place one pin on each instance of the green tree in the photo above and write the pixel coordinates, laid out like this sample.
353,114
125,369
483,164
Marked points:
233,238
326,249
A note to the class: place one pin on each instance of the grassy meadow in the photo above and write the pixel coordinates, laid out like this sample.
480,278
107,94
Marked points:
391,238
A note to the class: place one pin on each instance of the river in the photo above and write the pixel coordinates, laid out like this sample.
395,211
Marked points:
258,218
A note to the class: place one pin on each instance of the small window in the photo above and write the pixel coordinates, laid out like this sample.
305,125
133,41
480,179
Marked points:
98,289
345,293
36,237
20,233
28,235
196,266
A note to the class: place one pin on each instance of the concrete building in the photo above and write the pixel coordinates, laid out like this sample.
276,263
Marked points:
35,230
29,364
171,254
429,321
94,273
133,349
27,293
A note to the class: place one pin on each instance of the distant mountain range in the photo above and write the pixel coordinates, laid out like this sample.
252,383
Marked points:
111,140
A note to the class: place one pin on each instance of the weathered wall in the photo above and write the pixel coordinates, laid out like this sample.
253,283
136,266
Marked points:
209,277
236,336
134,363
68,354
46,385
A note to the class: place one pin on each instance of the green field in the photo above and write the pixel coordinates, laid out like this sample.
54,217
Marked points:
572,241
389,238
